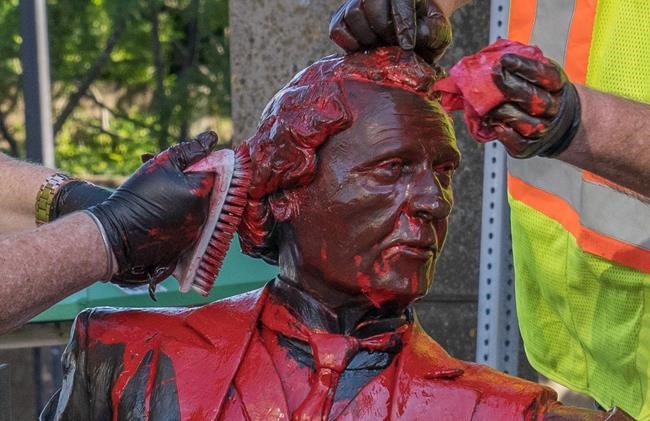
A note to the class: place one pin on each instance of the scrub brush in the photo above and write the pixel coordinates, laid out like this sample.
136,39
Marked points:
228,200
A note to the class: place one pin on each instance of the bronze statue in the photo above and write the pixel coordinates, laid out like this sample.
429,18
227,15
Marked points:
350,196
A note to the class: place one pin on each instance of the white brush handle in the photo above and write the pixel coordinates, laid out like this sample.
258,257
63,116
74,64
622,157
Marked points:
222,163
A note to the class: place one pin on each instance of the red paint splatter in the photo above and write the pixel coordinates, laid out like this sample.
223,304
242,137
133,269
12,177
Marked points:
415,283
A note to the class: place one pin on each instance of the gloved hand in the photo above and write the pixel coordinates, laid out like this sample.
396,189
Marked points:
412,24
75,196
157,214
541,115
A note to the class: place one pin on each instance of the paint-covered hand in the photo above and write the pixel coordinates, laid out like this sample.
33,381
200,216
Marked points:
157,214
412,24
541,114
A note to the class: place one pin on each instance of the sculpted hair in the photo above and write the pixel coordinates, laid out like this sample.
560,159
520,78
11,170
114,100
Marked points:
312,107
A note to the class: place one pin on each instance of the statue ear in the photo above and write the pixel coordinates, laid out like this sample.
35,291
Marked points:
284,205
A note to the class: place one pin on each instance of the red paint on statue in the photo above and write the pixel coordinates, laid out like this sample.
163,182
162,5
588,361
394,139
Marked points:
283,150
377,198
365,286
345,155
422,381
414,283
383,268
180,344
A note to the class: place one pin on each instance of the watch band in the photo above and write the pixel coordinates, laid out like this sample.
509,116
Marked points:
46,195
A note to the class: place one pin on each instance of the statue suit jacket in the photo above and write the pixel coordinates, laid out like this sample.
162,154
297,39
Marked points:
179,364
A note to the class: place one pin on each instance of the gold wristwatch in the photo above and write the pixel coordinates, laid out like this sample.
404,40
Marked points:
46,195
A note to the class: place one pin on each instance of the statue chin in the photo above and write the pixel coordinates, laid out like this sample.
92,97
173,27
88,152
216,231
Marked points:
399,291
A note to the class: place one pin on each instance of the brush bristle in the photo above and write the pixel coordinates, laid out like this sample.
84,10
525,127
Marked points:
229,220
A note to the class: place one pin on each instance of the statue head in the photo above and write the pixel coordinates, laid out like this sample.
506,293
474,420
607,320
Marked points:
351,188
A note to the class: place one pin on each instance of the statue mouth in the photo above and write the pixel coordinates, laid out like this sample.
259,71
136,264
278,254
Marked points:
423,250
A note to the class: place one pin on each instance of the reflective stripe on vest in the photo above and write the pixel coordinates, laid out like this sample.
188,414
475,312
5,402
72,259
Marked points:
604,220
581,247
551,28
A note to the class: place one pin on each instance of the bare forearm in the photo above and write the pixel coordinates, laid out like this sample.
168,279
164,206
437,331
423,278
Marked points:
40,267
613,140
20,184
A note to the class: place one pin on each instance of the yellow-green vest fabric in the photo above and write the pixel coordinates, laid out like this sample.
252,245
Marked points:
584,319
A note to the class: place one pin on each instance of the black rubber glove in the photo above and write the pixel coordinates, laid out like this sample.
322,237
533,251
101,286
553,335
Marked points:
412,24
75,196
542,115
157,214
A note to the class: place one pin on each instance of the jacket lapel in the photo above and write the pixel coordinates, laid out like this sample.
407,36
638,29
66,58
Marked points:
424,388
204,378
259,386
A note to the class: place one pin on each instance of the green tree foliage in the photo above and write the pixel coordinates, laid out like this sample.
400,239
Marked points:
128,77
9,73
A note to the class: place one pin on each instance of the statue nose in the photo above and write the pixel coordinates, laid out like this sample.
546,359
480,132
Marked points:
430,208
427,199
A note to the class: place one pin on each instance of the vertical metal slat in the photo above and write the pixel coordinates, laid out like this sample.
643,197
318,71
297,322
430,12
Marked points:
497,332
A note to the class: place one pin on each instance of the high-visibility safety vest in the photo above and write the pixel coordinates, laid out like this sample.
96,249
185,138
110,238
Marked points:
582,245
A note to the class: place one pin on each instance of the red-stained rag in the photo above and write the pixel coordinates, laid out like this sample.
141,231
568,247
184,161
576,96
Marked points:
470,86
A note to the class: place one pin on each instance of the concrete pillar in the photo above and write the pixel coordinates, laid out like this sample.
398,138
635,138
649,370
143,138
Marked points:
269,42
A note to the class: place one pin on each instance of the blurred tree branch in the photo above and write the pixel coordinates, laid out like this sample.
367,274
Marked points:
119,114
128,77
91,75
160,106
190,58
97,128
6,134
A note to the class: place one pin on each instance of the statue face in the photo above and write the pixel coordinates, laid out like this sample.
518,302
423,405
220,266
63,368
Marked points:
374,219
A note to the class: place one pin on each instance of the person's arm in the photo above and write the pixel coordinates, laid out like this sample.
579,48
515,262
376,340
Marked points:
20,182
18,195
145,227
41,266
544,114
613,140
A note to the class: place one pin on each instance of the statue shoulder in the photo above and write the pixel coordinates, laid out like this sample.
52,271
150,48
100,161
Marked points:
110,324
504,385
505,393
457,386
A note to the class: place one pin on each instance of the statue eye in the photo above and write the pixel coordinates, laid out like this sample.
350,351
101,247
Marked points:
389,170
444,174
